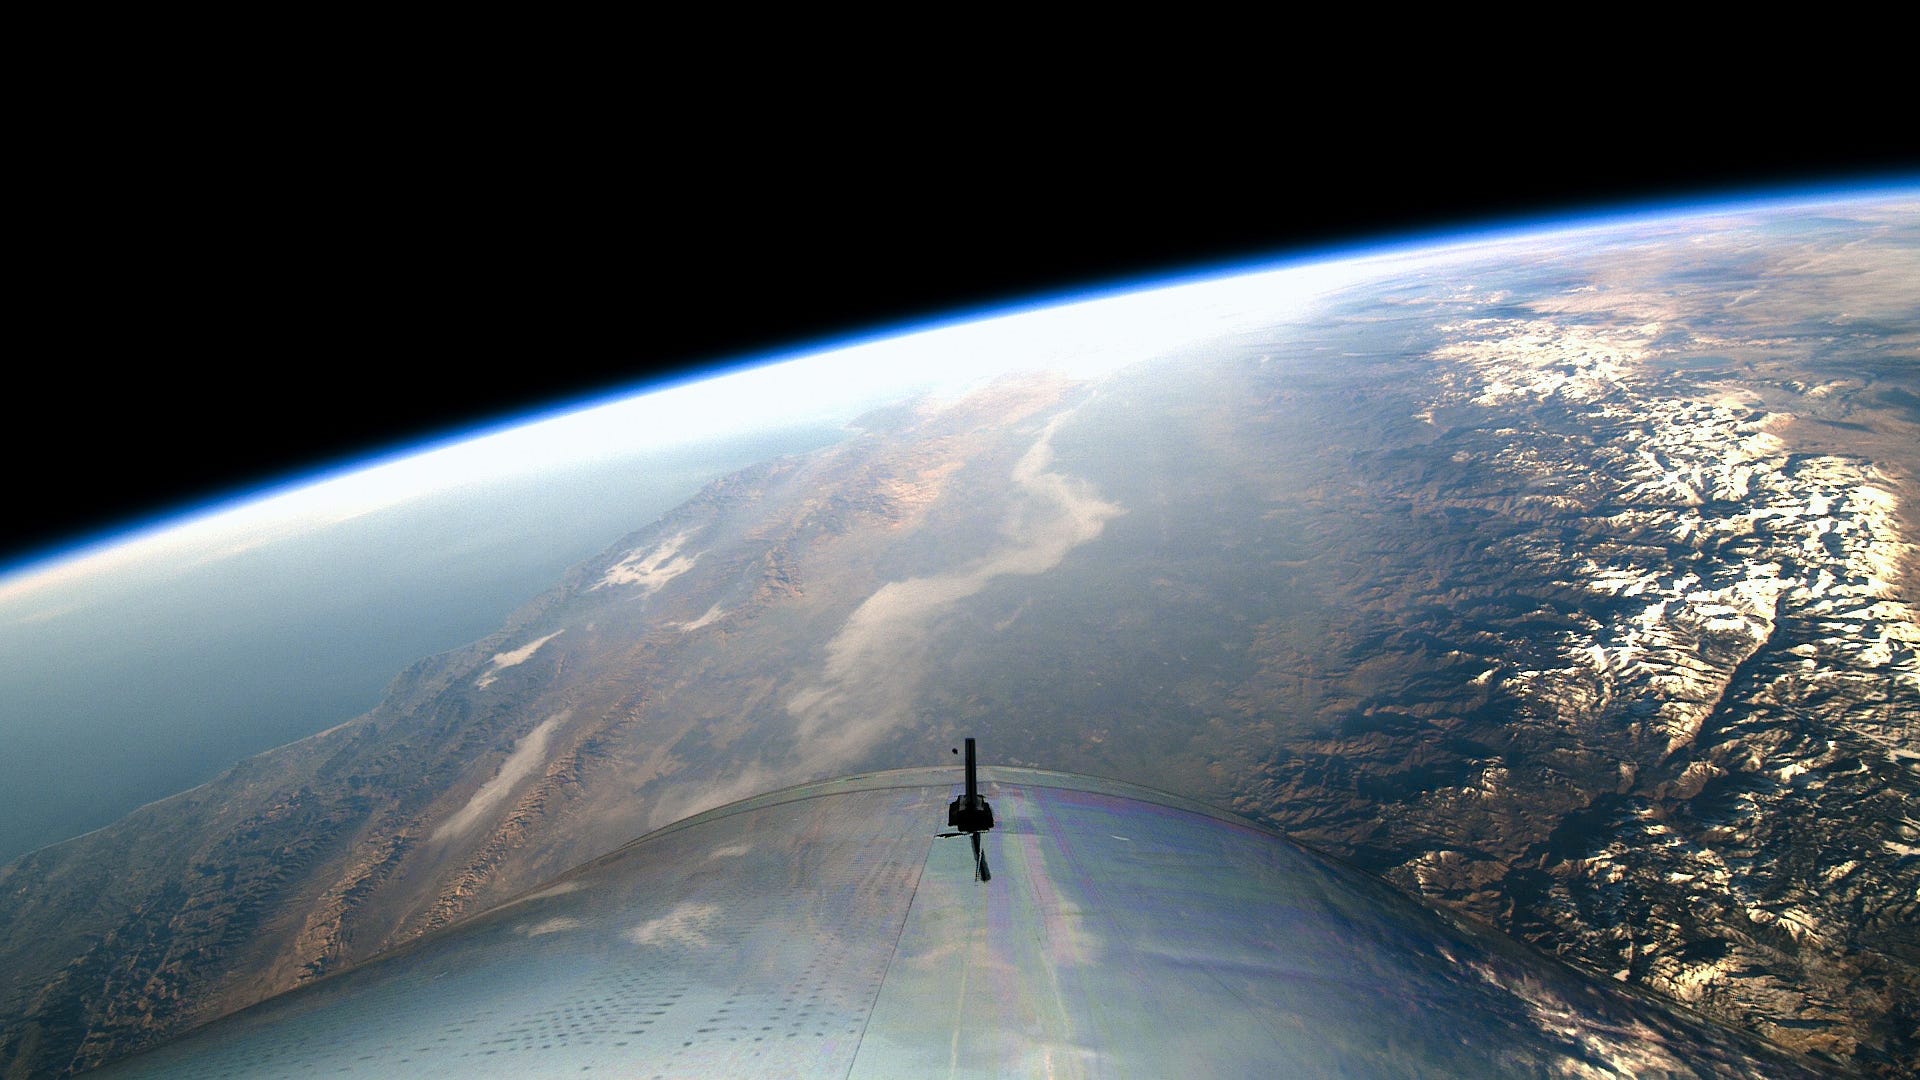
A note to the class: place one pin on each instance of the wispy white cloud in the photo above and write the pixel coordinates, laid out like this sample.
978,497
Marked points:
650,568
712,616
528,754
874,665
513,658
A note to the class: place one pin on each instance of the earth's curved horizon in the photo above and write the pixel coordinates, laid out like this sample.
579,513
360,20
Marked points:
1562,577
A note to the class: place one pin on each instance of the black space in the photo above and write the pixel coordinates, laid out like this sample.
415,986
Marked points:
210,313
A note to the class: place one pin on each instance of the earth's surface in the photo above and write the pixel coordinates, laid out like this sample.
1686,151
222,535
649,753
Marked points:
1564,580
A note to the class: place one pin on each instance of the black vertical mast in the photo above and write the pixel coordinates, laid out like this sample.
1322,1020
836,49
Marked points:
970,815
973,786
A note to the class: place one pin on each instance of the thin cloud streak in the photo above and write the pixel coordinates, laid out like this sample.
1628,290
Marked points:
875,664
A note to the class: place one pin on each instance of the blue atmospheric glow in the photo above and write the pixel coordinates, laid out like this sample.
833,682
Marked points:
1648,211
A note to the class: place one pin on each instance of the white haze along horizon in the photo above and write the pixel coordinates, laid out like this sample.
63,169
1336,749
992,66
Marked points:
142,665
1083,337
146,664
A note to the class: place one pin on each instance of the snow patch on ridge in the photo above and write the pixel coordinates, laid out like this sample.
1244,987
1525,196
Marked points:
1814,536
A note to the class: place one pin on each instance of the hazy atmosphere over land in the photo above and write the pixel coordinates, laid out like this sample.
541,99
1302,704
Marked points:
1563,580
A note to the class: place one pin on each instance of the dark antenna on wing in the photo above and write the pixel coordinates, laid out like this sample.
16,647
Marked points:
969,815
